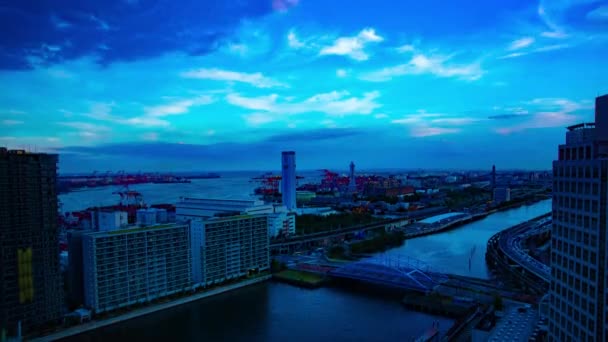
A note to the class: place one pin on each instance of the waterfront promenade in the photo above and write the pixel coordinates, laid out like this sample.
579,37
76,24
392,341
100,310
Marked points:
82,328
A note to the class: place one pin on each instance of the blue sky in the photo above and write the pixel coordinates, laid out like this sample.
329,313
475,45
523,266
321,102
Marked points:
226,85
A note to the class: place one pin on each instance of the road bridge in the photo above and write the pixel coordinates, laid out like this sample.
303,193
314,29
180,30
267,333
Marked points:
395,271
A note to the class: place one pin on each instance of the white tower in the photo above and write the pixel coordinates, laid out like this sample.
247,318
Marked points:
352,184
288,180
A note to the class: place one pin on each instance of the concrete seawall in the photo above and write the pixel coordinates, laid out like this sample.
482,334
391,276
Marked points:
82,328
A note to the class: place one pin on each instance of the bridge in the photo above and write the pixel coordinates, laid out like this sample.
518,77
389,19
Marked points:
505,251
394,271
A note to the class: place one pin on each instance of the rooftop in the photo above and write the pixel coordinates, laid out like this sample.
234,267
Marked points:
581,126
135,229
517,324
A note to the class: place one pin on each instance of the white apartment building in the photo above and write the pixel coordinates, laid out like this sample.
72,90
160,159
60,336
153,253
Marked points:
228,238
135,265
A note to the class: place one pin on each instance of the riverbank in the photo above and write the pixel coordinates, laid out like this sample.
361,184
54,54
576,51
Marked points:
79,329
299,278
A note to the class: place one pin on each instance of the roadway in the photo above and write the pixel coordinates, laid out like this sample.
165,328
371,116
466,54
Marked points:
506,249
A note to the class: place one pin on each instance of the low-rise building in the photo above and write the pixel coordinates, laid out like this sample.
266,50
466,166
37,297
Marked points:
135,265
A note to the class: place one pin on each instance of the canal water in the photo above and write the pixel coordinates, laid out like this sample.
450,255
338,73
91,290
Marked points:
451,251
276,312
279,312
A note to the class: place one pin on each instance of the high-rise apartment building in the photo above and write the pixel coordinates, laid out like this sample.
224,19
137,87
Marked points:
577,309
229,238
31,290
135,265
288,179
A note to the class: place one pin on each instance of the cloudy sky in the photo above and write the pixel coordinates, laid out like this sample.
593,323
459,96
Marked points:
226,85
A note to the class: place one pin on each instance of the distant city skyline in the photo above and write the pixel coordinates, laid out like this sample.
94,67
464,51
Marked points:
162,86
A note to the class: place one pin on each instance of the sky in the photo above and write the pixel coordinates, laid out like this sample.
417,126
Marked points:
165,85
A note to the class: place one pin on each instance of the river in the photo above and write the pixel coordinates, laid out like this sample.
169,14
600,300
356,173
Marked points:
278,312
450,251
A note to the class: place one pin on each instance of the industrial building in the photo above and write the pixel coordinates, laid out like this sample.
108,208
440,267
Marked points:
31,290
577,309
135,265
288,180
228,238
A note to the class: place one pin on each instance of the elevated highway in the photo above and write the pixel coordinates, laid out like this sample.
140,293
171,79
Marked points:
506,254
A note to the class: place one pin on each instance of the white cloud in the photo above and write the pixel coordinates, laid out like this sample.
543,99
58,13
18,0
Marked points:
265,103
255,79
335,103
210,132
553,112
293,41
329,123
151,136
556,31
353,47
238,49
454,121
521,43
513,55
257,119
406,48
552,47
86,130
437,65
178,107
381,116
9,122
145,121
423,124
85,126
341,73
428,131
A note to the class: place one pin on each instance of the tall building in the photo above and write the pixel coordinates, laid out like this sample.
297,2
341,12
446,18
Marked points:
288,180
135,265
352,181
577,309
228,238
31,290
